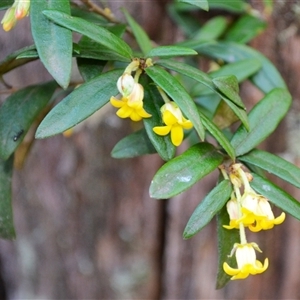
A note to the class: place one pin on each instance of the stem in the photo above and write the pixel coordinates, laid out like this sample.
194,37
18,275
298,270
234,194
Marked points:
163,95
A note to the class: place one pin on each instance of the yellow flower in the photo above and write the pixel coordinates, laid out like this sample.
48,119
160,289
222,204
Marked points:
17,11
131,103
233,210
257,212
175,123
246,261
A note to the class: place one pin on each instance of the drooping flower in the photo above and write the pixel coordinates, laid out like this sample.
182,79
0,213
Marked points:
246,262
17,11
174,122
233,210
131,103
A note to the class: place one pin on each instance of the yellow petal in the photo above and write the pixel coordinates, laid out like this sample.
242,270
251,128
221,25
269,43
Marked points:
176,135
187,124
143,113
228,270
279,219
134,116
162,130
124,112
168,118
116,102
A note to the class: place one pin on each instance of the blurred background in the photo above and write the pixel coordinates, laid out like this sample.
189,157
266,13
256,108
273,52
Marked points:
86,226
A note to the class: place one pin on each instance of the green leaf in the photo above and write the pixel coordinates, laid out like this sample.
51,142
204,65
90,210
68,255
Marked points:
94,32
266,79
276,195
273,164
212,29
80,104
218,135
11,62
207,208
226,240
133,145
203,78
203,4
152,104
4,4
90,68
18,113
170,51
245,29
7,230
178,94
53,43
178,174
139,33
263,119
229,86
236,6
242,69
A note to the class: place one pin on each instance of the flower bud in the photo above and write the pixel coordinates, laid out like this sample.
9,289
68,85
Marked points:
125,84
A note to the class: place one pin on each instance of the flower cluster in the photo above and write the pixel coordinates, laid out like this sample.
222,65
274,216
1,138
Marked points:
130,104
247,209
17,11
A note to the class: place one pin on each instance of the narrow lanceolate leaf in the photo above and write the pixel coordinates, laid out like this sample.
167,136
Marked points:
80,104
53,43
178,94
207,208
152,104
263,119
203,78
139,33
170,51
229,86
218,135
7,230
273,164
94,32
133,145
183,171
226,239
13,61
276,195
18,113
203,4
267,78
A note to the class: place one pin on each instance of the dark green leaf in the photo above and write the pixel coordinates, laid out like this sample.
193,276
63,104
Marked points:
152,104
207,208
218,135
245,29
226,240
273,164
133,145
18,112
178,94
267,78
170,51
139,33
7,230
53,43
183,171
276,195
206,80
90,68
203,4
263,119
88,48
80,104
4,4
229,86
11,61
94,32
187,24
